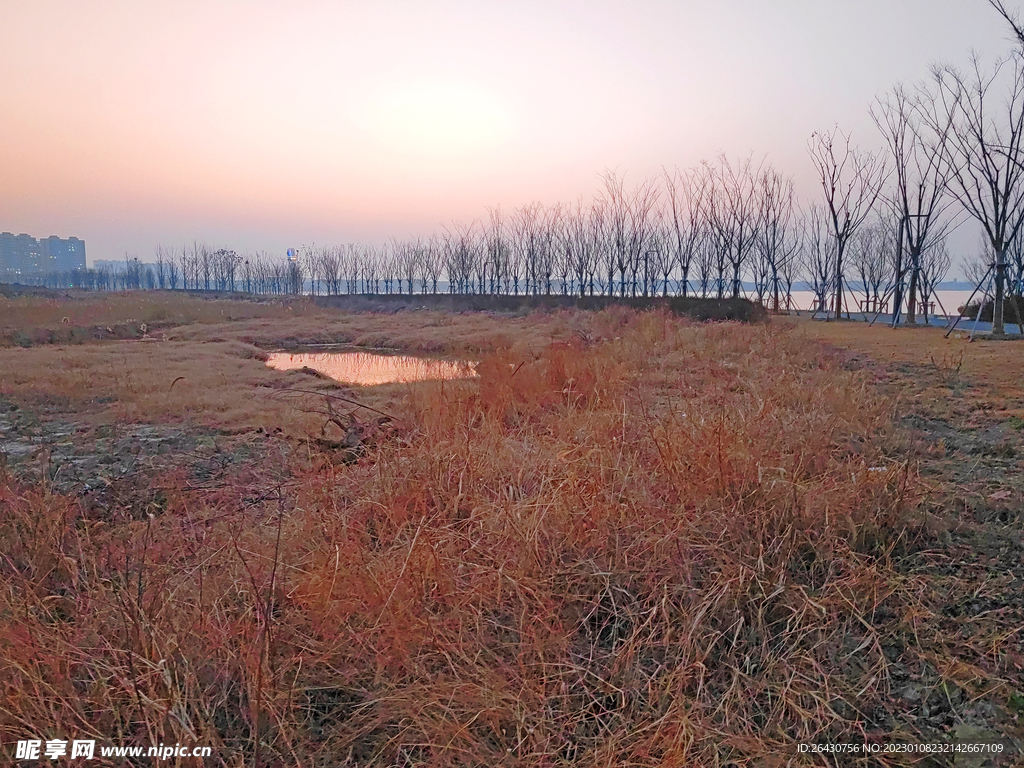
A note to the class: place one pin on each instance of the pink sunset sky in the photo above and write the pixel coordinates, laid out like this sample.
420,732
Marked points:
263,125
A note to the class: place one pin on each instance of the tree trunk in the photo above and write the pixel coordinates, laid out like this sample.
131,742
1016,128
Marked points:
838,304
997,305
915,261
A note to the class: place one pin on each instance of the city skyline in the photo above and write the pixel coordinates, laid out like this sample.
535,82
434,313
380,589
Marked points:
22,255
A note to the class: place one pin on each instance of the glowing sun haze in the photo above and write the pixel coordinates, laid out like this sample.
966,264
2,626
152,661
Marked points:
261,125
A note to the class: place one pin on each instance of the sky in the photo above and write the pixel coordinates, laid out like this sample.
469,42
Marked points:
262,125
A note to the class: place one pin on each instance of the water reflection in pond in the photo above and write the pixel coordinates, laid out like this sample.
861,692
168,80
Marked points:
367,368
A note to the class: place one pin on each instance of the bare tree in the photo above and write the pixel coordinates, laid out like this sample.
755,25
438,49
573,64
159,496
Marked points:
581,247
642,228
247,274
872,256
548,242
714,218
707,258
976,267
629,217
204,265
352,266
935,264
789,269
1010,18
172,270
818,255
331,267
225,268
526,239
433,264
730,215
986,149
373,265
685,191
851,181
917,136
562,246
390,259
662,256
461,249
1015,267
617,209
185,260
739,191
161,266
409,264
776,230
497,249
607,253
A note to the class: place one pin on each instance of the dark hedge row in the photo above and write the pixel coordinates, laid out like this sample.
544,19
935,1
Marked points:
699,309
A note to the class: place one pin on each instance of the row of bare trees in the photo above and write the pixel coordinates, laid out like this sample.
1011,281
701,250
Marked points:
955,151
706,230
133,275
199,267
722,228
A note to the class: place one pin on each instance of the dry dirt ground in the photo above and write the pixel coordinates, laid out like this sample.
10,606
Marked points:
146,388
133,384
961,404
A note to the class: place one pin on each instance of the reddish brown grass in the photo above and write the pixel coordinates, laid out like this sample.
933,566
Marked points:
654,543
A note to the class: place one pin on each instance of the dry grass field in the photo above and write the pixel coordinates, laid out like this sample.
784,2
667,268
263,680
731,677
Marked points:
990,368
35,315
632,540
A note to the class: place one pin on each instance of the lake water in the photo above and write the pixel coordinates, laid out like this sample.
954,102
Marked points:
950,301
368,369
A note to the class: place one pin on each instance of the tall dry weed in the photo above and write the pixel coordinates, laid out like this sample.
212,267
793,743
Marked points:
657,546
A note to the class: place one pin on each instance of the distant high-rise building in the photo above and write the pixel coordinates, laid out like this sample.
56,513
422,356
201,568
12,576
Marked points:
63,255
19,254
23,255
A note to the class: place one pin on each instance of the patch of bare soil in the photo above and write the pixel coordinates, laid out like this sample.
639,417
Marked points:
112,468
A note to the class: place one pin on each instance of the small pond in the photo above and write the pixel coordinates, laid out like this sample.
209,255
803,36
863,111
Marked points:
370,368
